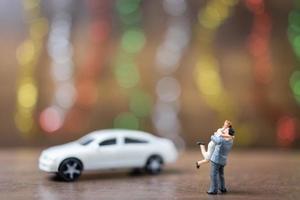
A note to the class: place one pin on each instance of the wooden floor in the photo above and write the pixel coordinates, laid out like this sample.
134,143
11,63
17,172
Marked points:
249,175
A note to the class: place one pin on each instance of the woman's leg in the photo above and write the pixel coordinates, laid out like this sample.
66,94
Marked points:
204,154
202,161
203,151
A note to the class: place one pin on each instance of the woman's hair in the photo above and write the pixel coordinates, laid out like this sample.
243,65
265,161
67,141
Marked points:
229,123
231,130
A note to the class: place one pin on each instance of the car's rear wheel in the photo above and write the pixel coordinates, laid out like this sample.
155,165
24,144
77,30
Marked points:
70,169
154,164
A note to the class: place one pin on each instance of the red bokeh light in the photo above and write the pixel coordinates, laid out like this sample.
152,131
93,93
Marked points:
286,131
50,120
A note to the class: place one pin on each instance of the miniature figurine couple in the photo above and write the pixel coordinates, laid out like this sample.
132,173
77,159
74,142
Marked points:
217,151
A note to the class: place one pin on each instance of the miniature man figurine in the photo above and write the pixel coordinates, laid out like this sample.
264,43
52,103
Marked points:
217,155
227,132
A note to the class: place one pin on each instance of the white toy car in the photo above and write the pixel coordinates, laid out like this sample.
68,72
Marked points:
108,149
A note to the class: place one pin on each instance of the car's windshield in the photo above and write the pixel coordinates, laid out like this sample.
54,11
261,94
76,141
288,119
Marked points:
85,140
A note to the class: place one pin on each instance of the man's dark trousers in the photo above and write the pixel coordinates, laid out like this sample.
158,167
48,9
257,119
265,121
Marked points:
216,177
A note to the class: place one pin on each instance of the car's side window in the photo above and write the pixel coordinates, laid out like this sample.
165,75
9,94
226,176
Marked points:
134,141
86,141
107,142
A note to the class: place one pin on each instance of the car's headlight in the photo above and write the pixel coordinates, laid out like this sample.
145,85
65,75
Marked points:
47,157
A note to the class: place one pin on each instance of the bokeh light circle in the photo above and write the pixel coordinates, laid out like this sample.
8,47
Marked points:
51,119
126,120
168,89
133,40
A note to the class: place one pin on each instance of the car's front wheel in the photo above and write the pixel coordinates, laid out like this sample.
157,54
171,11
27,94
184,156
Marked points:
70,169
154,164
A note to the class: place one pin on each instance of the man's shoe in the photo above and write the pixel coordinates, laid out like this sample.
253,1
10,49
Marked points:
212,193
200,143
223,191
197,165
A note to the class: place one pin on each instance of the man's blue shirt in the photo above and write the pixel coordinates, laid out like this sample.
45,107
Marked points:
221,151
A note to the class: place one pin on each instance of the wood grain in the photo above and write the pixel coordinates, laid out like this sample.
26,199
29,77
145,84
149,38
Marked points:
249,175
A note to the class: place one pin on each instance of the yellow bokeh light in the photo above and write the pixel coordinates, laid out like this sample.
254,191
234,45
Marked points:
215,12
39,28
27,95
229,2
208,81
207,60
27,56
26,53
207,77
222,11
24,111
25,125
209,19
212,13
31,4
24,122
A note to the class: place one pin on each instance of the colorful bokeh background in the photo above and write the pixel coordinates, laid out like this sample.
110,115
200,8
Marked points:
175,68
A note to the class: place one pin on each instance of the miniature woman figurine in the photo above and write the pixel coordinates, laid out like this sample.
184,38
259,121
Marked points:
226,132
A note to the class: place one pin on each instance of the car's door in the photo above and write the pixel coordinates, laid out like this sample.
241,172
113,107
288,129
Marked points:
106,153
134,151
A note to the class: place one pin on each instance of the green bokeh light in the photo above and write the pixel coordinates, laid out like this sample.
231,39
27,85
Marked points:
295,83
296,45
297,99
291,34
127,74
293,28
125,7
296,87
132,18
127,121
293,79
140,103
294,18
296,41
133,41
294,38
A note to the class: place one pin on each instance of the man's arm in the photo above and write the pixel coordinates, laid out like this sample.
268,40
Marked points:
216,139
227,136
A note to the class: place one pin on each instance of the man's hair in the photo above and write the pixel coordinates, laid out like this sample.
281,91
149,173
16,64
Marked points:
231,131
